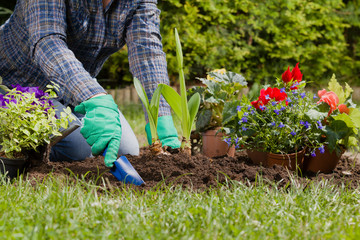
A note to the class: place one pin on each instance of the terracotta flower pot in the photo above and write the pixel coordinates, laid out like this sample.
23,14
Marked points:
13,167
214,146
257,157
324,163
291,161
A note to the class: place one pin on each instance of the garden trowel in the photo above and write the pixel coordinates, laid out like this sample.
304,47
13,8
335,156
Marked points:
125,172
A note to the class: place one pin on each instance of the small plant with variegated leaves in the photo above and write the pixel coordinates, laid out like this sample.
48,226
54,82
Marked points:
28,120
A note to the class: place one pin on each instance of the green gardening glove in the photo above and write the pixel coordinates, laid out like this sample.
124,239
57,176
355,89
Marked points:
166,131
101,126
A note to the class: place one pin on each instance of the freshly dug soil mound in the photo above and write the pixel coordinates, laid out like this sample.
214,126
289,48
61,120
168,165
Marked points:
196,172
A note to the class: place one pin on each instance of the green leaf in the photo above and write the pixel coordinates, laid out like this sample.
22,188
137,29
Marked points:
179,54
154,104
315,115
150,111
347,120
230,111
173,99
203,119
193,106
141,93
354,114
338,89
335,132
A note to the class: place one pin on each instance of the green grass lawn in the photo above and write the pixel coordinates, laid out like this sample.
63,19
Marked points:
59,208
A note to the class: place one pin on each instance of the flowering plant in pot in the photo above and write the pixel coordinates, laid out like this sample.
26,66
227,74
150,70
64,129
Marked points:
28,121
280,121
339,126
219,89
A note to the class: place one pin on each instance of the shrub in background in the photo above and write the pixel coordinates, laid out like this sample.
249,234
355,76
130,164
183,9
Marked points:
243,35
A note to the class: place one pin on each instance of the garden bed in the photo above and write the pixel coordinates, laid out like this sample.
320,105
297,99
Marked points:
198,172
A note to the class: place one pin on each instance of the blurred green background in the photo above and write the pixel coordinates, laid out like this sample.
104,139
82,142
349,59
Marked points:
257,38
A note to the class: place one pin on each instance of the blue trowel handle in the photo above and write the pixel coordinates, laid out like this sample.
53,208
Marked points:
125,172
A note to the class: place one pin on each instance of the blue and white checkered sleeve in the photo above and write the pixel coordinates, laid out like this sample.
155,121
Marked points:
46,24
147,59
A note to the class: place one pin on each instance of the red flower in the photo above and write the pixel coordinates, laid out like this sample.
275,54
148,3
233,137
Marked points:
343,109
287,76
321,93
256,104
330,98
296,74
269,94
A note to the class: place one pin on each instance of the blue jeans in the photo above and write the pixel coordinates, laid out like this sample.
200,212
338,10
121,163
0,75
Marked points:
75,148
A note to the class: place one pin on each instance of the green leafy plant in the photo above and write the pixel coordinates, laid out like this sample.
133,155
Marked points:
28,119
220,88
152,110
185,110
342,122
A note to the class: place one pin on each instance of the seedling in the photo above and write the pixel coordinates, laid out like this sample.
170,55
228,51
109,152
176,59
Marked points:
152,110
186,111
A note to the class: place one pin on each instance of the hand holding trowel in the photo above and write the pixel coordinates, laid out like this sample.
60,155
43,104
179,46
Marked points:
102,130
125,172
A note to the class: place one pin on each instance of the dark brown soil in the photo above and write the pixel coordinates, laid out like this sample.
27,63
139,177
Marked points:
197,172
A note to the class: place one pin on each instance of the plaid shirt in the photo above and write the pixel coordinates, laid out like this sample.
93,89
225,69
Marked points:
68,41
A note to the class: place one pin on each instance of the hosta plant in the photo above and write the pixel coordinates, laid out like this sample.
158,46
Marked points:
27,119
219,89
152,110
186,111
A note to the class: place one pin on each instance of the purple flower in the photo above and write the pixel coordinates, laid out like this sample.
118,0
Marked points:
6,100
322,149
38,93
238,108
315,97
228,141
244,128
277,111
306,124
281,125
282,90
249,107
274,103
246,114
244,119
252,111
320,126
267,97
273,124
262,107
293,133
288,100
313,154
282,108
302,95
